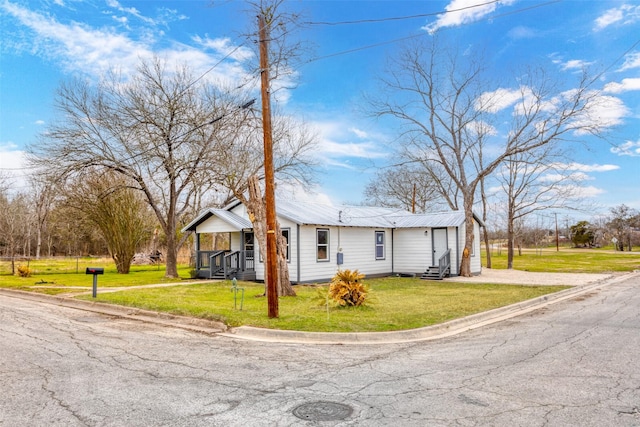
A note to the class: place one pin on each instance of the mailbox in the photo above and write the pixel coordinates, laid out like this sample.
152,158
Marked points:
95,271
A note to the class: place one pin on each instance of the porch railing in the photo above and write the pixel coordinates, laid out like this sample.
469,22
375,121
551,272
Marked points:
203,258
444,264
238,261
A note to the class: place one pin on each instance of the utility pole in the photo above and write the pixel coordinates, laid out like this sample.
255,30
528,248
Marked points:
271,268
413,199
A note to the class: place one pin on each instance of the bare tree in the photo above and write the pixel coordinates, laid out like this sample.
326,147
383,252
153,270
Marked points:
161,129
116,209
44,193
293,144
13,224
242,172
533,181
622,219
446,108
404,187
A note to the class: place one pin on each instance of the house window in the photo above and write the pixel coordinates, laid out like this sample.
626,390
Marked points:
322,244
285,234
379,244
249,244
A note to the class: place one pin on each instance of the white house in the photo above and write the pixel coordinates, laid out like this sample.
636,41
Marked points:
322,239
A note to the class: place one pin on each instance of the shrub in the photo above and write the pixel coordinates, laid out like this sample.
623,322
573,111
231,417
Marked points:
346,289
23,271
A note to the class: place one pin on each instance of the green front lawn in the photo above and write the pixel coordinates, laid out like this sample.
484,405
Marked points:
400,303
49,275
567,260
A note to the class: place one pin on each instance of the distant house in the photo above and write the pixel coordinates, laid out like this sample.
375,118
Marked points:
322,239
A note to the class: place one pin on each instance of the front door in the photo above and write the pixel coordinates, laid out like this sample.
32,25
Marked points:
248,244
439,244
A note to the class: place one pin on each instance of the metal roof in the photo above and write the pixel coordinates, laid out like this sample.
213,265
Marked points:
304,213
365,216
230,218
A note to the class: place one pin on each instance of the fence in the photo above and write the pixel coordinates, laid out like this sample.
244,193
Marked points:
76,264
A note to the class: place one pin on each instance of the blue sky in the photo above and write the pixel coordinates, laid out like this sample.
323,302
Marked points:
46,42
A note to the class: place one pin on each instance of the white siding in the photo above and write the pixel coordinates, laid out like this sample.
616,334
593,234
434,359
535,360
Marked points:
412,250
358,249
456,249
236,242
476,259
215,225
293,241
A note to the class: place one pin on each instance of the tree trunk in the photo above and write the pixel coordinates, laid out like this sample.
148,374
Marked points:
465,264
510,239
171,257
38,242
487,246
258,217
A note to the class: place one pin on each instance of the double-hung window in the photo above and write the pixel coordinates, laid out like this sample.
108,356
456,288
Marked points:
285,234
322,244
379,244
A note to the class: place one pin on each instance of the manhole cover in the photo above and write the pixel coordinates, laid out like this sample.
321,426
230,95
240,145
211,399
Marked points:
323,411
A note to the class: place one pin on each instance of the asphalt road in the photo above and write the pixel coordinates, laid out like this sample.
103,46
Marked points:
574,363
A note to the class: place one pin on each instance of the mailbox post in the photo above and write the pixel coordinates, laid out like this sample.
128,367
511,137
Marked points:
95,271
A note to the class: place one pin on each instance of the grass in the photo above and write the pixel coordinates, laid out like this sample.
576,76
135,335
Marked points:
47,275
400,303
569,260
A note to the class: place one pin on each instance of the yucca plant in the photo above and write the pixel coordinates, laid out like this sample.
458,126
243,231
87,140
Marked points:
347,290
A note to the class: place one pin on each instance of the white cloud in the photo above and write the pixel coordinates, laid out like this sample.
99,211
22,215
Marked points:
575,64
338,148
499,99
39,122
296,192
128,10
225,47
461,12
581,192
602,113
629,148
586,168
78,47
558,177
359,133
12,163
631,61
365,150
625,85
624,15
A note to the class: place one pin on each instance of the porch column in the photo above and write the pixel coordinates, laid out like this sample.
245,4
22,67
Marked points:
197,245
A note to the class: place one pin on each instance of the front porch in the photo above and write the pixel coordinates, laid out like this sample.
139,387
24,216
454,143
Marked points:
226,264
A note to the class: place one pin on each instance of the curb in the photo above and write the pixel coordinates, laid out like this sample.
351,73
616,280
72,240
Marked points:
249,333
427,333
193,324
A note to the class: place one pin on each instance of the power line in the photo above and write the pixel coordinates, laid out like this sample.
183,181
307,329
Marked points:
422,34
401,18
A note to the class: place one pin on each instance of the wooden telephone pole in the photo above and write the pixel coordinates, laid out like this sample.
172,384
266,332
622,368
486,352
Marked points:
271,268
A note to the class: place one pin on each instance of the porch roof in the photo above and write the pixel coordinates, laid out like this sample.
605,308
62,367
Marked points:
235,221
